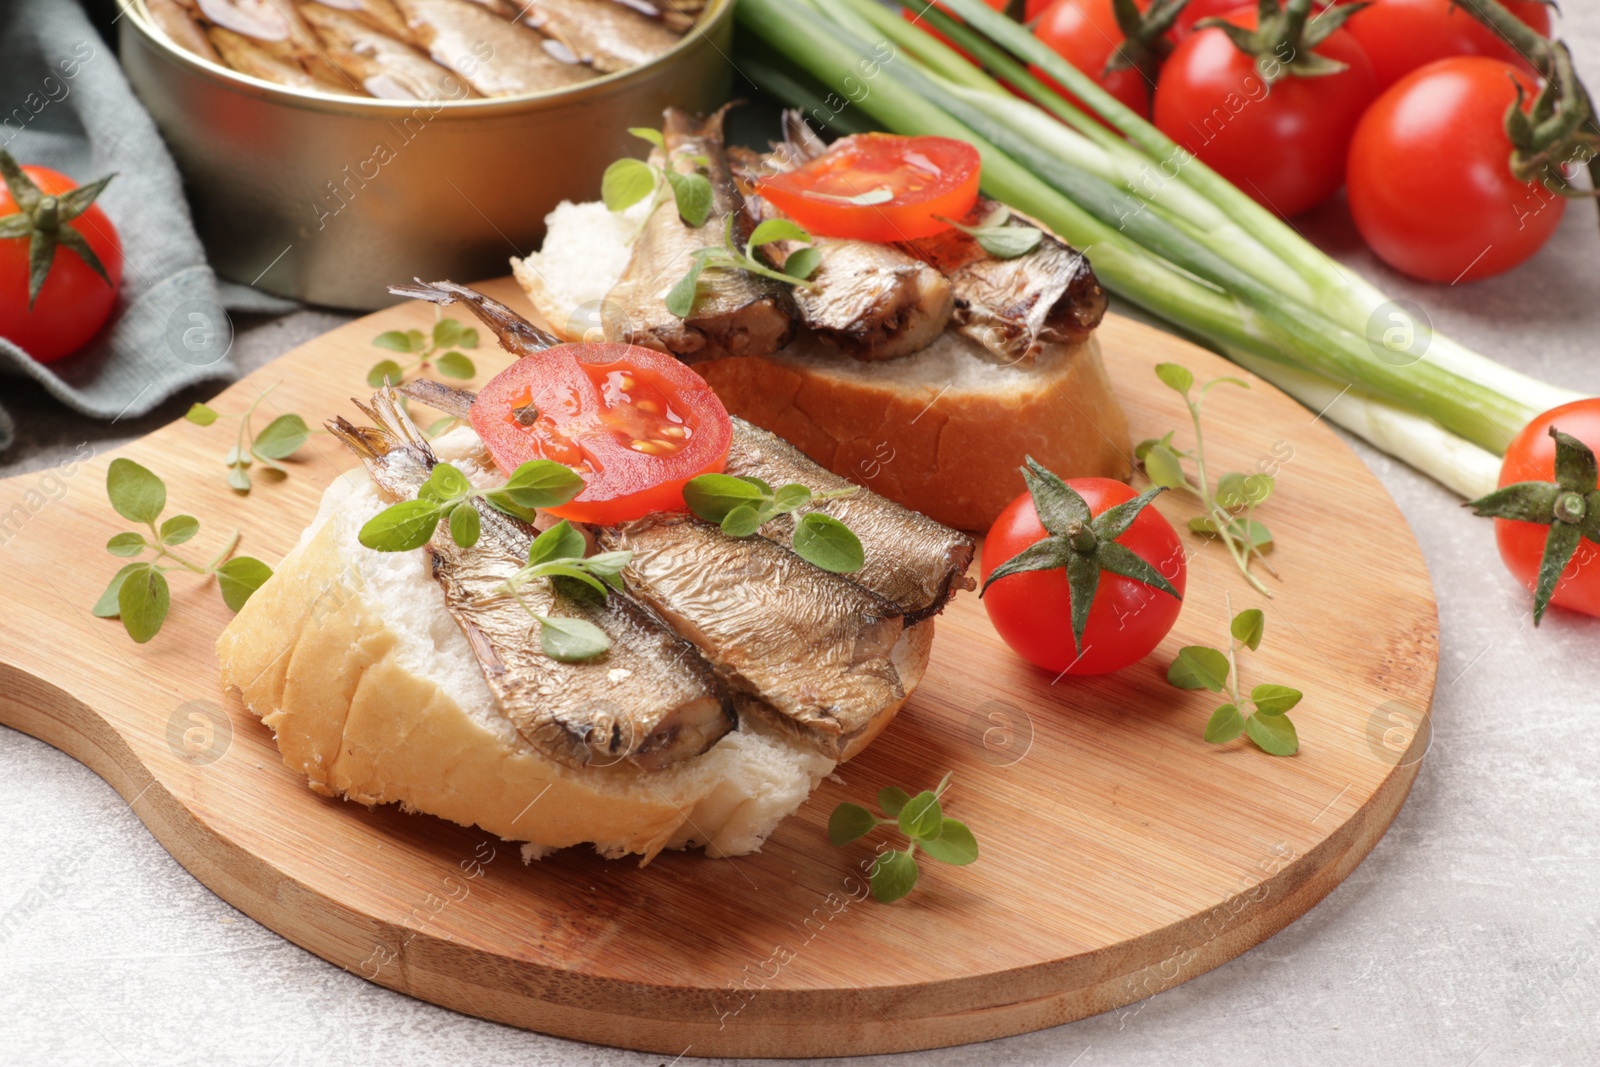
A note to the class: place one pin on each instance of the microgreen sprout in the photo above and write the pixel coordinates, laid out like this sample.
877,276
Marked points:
800,265
742,506
922,820
559,553
1230,507
438,349
628,181
1262,716
996,236
278,440
447,497
138,595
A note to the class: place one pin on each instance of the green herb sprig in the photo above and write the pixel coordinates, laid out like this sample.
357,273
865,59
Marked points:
1230,507
800,266
438,349
1262,716
922,820
1569,506
138,594
558,553
628,181
278,440
742,505
446,497
996,237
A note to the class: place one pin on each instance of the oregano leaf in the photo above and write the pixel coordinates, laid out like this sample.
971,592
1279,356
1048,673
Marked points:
1248,627
239,578
1226,723
850,822
954,844
142,603
1274,699
136,493
1273,734
894,874
892,799
1199,667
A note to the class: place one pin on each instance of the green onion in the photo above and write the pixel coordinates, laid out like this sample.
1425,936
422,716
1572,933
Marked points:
1163,230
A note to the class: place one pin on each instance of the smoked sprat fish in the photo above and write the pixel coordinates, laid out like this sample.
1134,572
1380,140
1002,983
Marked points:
1014,307
815,650
649,699
872,301
735,314
383,66
602,33
385,48
911,561
494,56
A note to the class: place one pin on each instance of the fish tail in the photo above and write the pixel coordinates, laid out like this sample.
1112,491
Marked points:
518,335
800,140
368,443
393,422
391,431
446,399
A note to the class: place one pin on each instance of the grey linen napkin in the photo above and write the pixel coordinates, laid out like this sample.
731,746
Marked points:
64,104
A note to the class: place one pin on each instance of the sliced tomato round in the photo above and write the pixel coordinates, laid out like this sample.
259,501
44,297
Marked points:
880,187
635,423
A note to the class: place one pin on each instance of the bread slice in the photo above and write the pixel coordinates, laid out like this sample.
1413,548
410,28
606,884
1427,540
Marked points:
373,694
943,431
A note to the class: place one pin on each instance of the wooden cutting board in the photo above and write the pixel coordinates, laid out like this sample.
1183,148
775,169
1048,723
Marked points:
1121,854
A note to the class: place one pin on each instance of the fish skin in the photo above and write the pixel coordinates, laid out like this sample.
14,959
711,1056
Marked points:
456,33
912,561
385,67
516,334
179,21
650,699
269,39
247,56
1015,307
813,648
380,15
736,314
602,33
871,301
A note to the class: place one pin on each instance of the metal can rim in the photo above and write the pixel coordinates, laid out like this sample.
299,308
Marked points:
314,100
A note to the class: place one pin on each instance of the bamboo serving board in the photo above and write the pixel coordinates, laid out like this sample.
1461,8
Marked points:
1121,854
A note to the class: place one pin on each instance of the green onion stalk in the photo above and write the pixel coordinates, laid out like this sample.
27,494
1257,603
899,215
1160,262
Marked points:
1163,230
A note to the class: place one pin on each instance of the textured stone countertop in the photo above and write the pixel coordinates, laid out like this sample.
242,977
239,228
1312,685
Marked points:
1470,936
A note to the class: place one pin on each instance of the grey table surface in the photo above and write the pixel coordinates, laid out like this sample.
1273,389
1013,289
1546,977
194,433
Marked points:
1470,935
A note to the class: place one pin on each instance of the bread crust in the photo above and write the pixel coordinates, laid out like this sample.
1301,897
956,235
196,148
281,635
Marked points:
952,453
312,655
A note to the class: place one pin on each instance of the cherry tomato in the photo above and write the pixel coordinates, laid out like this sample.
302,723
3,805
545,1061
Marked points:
1085,34
926,177
1284,146
1032,610
1400,36
636,423
1431,189
1195,10
75,301
1532,458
